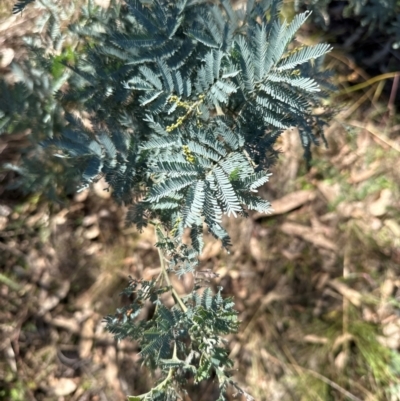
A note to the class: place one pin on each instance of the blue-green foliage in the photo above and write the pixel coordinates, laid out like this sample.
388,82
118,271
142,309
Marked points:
186,100
180,342
20,5
178,105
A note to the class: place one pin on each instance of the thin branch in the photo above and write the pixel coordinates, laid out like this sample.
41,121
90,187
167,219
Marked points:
369,128
175,295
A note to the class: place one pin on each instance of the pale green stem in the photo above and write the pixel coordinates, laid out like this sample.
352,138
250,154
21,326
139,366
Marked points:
159,386
8,282
176,296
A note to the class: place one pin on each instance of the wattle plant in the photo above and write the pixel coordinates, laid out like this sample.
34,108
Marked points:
178,105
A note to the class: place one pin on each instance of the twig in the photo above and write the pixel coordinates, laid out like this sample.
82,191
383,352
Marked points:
331,383
175,295
372,131
319,376
393,93
370,82
348,112
9,283
350,63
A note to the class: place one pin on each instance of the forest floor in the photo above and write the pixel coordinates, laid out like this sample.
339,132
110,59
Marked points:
316,283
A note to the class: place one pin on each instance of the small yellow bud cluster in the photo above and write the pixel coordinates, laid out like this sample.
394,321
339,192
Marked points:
176,225
294,51
188,154
189,107
175,99
179,122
